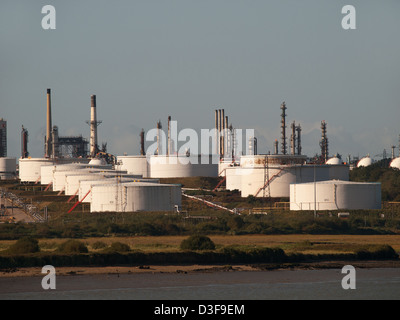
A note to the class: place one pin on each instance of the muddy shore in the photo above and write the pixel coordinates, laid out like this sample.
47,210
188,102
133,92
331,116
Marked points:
71,271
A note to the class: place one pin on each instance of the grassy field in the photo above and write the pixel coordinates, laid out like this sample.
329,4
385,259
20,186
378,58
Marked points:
313,244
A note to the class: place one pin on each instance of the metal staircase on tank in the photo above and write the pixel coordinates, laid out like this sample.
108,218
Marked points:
268,182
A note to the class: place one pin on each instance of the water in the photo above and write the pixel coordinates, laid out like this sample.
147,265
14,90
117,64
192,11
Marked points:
371,284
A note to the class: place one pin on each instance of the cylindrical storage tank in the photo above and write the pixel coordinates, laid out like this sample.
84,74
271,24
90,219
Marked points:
183,166
335,195
136,165
134,197
225,164
30,168
59,177
395,164
274,181
86,185
8,168
234,178
72,181
47,172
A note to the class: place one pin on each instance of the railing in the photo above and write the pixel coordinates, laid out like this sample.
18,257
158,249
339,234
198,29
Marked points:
29,209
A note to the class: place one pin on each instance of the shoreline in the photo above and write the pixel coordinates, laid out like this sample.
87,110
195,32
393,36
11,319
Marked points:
196,268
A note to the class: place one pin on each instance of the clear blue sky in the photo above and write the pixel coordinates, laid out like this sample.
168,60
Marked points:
149,59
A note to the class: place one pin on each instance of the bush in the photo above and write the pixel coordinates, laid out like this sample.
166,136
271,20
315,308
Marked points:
24,245
197,242
73,246
120,247
99,245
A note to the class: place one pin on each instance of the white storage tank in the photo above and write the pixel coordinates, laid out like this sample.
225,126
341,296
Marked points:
395,164
271,175
137,165
335,195
30,168
8,168
226,164
72,181
47,171
134,197
183,166
86,185
334,161
365,162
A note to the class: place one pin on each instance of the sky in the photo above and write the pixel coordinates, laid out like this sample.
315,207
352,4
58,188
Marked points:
146,60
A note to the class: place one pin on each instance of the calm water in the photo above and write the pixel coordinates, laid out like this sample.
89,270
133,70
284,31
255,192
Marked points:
262,285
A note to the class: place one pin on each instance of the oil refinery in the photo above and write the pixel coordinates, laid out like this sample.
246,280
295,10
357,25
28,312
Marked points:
77,167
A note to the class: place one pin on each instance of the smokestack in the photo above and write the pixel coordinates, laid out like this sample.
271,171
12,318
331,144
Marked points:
159,127
142,152
216,132
24,143
93,127
48,146
169,136
219,132
276,148
226,127
223,133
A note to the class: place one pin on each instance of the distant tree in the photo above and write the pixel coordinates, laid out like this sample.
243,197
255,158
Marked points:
197,242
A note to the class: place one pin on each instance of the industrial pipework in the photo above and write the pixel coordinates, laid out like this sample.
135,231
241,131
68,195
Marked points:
324,142
283,127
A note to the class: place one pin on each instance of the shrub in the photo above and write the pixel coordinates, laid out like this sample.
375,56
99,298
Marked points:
72,246
99,245
197,242
120,247
24,245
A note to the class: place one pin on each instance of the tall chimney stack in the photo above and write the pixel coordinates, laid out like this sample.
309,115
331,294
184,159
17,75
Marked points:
93,126
142,152
169,136
216,132
48,145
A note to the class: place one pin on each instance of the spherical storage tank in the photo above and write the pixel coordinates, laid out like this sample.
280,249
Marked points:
395,164
335,195
365,162
334,161
8,168
134,197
